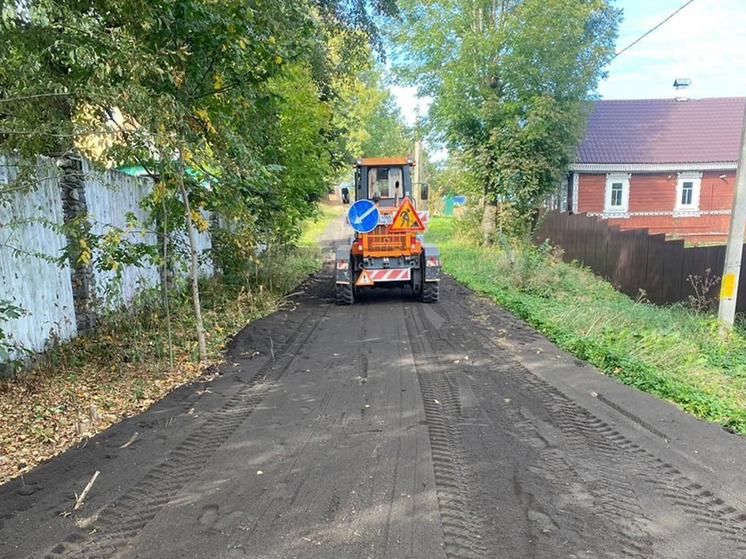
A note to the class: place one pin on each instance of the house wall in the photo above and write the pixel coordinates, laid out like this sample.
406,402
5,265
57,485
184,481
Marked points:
591,193
652,199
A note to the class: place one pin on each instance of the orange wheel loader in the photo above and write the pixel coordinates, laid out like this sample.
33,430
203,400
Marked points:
388,247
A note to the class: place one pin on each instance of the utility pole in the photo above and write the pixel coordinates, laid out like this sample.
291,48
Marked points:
734,248
418,170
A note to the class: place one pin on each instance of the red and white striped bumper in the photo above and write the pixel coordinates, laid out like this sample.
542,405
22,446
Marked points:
390,274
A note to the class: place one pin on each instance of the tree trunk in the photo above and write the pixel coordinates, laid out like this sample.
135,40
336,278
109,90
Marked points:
194,263
488,221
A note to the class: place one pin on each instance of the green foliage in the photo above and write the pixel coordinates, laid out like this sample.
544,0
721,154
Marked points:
359,16
312,229
237,108
377,127
9,311
257,98
509,82
671,352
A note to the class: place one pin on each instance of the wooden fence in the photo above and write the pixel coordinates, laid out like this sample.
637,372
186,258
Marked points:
633,260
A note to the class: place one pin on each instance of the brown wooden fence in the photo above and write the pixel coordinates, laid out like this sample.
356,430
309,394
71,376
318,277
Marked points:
634,260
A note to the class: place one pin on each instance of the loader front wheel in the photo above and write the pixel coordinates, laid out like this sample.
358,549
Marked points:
345,294
431,292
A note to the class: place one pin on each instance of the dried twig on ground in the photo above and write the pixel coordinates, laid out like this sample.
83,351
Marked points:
79,499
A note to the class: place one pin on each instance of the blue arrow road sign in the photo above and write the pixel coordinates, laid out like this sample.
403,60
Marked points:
363,216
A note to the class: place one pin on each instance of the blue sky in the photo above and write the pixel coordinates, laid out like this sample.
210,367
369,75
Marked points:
705,42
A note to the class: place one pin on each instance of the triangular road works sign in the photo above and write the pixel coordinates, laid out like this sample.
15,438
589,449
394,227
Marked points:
364,279
406,218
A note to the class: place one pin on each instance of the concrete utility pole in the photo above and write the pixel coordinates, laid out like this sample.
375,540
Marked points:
734,248
419,168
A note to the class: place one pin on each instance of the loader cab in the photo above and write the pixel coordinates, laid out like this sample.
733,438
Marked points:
384,180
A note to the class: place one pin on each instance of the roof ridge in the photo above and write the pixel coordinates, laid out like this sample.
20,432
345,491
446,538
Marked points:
668,99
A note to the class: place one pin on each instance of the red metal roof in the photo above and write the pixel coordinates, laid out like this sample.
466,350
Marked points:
663,131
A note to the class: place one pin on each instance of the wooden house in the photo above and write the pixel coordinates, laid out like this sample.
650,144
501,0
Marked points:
668,165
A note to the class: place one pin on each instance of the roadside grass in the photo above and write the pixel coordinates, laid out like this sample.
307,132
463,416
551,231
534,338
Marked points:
83,386
672,352
312,228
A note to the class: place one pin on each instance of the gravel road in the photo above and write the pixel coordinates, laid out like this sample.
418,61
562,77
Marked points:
392,429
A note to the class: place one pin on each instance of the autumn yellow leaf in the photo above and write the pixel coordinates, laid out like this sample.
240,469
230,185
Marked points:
178,78
199,221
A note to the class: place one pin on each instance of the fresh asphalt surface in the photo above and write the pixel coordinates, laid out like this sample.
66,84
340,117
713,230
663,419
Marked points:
392,429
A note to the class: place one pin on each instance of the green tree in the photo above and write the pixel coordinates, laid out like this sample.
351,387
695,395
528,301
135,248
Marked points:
170,84
243,95
510,81
377,126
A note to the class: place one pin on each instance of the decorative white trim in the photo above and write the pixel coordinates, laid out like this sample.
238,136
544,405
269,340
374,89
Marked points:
687,210
687,213
575,194
652,167
612,179
613,215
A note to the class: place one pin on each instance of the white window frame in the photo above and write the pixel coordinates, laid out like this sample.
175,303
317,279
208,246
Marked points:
611,180
696,180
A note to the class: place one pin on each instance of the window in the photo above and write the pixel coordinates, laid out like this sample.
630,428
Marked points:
617,193
384,181
687,189
687,192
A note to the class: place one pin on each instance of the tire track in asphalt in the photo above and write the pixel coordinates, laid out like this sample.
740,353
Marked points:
461,526
592,441
590,453
119,523
614,497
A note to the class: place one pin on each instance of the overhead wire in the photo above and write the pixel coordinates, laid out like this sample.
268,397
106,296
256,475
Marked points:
641,37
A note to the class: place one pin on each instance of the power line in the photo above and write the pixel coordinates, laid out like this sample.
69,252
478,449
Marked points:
641,37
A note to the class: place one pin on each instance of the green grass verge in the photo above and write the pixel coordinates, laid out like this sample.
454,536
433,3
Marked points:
671,352
312,228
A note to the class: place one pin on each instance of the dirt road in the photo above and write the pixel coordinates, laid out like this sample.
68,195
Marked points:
392,429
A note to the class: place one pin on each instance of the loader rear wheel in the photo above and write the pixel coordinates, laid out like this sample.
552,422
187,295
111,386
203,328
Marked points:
417,282
345,294
431,292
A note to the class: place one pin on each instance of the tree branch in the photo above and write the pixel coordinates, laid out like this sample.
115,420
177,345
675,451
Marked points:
35,96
